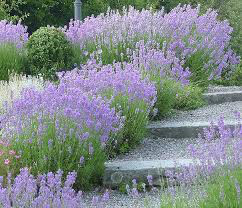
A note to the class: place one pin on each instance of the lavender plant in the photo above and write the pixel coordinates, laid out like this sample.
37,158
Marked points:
46,190
189,97
224,190
12,56
217,170
12,60
11,33
56,129
170,78
127,91
185,33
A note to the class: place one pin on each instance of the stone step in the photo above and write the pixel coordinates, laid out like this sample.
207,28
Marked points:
183,129
123,172
216,88
222,97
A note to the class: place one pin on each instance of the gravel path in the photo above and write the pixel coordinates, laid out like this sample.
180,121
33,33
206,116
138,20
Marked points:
207,113
121,200
159,148
152,199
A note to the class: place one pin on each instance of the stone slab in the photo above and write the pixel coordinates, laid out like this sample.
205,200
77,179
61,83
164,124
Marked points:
120,172
184,129
222,97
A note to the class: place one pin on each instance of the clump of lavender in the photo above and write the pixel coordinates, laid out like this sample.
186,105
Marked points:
47,190
182,33
220,146
126,89
11,33
218,150
60,125
158,64
111,81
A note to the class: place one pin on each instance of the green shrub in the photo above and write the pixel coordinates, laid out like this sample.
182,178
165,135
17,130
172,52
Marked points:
12,60
224,191
9,10
195,63
138,4
48,152
172,95
49,51
94,7
232,11
36,14
189,97
3,13
235,79
134,129
166,97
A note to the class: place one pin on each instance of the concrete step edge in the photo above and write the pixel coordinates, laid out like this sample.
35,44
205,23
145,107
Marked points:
183,129
123,172
222,97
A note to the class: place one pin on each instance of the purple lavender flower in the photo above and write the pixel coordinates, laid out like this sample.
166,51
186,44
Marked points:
47,191
11,33
105,196
90,150
183,30
150,179
85,135
134,181
95,200
134,192
217,148
82,159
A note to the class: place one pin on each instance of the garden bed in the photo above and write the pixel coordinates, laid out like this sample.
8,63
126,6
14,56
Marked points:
136,73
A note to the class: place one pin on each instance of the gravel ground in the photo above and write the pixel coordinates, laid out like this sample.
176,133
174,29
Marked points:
121,200
207,113
224,89
159,149
152,199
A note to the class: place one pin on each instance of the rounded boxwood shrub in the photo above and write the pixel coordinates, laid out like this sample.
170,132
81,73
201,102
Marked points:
49,51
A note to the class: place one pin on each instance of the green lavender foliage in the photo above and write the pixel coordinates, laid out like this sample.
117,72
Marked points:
12,60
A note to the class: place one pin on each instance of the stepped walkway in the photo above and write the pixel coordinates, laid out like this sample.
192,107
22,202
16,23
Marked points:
165,149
